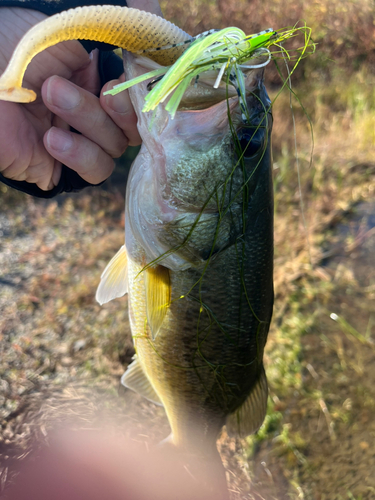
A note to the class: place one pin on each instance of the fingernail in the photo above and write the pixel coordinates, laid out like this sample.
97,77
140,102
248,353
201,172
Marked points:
62,94
59,140
119,104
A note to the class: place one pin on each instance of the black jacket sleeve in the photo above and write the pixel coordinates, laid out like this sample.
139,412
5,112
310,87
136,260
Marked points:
110,67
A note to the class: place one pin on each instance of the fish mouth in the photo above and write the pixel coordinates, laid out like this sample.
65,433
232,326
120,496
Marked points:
205,91
203,95
221,109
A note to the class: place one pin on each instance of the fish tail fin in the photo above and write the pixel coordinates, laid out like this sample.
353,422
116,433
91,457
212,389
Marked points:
204,469
250,415
168,444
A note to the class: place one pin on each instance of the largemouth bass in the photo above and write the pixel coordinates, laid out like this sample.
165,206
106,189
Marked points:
198,258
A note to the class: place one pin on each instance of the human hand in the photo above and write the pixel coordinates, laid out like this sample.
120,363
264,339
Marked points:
84,465
35,138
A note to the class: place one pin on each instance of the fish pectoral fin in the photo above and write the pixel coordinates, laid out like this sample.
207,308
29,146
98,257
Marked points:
114,279
158,296
250,415
135,379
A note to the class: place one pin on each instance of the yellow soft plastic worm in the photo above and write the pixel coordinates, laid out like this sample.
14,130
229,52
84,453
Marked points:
130,29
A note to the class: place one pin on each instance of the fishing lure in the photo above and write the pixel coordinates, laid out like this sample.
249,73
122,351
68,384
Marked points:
227,51
123,27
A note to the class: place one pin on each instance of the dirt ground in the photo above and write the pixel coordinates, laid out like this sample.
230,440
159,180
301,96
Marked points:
62,354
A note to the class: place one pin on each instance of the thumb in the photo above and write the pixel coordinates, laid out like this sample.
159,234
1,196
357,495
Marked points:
120,109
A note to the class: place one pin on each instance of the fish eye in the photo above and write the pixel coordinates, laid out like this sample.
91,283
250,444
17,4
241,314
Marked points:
251,141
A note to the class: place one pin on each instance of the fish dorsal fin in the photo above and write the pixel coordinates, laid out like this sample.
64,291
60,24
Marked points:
158,296
114,280
250,415
135,379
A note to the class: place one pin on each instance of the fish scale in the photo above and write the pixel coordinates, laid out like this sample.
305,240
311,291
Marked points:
190,395
204,359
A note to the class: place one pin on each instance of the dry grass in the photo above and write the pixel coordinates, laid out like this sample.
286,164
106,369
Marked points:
318,439
343,30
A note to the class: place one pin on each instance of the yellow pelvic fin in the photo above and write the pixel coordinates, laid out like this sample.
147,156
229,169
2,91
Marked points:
114,280
250,415
135,379
158,296
130,29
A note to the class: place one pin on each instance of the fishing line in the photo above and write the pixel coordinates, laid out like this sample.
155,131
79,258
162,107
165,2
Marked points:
305,226
302,207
